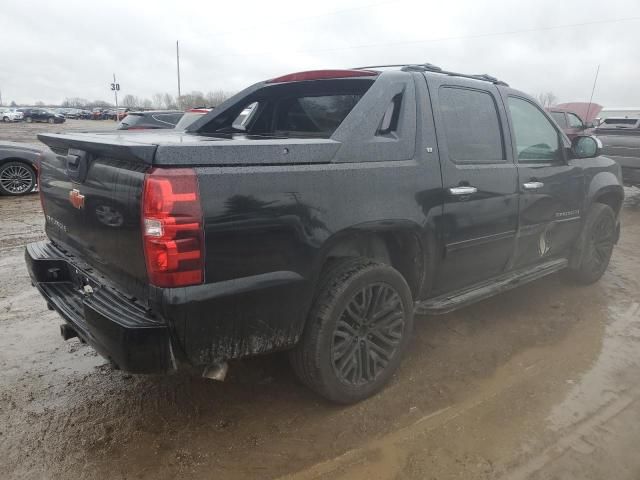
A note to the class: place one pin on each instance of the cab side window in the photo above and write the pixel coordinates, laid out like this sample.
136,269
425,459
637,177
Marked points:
537,140
471,125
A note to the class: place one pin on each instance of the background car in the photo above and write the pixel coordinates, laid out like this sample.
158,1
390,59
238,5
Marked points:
191,116
41,115
569,122
10,115
18,167
152,119
613,123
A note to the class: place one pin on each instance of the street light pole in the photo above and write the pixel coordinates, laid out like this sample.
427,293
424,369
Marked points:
178,65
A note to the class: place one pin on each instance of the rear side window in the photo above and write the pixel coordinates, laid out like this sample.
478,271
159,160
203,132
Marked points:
472,126
313,116
560,119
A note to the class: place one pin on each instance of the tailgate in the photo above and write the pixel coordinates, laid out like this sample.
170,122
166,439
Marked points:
91,193
625,149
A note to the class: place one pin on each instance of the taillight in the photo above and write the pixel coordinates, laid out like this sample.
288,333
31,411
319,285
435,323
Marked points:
172,227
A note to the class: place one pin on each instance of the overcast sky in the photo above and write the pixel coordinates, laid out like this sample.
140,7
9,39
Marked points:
70,48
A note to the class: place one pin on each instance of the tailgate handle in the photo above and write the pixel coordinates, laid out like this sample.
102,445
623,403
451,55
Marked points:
77,164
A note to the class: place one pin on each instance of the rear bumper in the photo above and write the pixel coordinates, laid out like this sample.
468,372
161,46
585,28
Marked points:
118,328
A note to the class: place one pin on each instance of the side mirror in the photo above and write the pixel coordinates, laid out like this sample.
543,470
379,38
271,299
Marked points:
585,146
589,125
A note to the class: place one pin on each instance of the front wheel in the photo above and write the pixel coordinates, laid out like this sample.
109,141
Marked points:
51,120
6,119
16,178
599,237
357,330
29,120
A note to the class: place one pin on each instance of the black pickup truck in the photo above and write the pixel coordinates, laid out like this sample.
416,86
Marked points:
315,213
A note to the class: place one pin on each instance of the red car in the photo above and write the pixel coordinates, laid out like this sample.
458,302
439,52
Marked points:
575,118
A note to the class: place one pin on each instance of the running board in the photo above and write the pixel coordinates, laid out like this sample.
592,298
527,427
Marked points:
461,298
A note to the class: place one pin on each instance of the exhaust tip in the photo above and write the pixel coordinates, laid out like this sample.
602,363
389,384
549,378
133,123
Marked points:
217,371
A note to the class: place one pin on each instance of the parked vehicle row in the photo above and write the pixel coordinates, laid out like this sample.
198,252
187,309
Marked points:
316,212
11,115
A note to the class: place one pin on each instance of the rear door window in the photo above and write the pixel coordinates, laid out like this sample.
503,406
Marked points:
471,125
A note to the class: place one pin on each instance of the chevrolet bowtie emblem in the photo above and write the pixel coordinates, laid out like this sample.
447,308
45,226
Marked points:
76,199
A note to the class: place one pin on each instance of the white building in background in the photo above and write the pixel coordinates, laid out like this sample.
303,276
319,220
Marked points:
619,112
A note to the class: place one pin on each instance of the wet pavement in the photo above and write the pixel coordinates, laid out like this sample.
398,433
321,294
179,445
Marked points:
538,383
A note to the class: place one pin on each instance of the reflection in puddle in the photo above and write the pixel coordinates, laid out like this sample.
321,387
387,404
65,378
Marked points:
619,358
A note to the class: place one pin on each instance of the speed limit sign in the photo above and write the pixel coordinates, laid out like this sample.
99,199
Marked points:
115,87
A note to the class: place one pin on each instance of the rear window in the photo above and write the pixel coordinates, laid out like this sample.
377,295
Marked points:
168,118
313,116
306,109
611,122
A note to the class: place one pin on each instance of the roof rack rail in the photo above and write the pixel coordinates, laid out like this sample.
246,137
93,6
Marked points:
428,67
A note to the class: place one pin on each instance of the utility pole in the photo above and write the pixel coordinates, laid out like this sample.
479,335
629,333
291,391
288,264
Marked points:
178,65
0,98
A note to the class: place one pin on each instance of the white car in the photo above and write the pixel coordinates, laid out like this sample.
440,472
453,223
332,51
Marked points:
10,115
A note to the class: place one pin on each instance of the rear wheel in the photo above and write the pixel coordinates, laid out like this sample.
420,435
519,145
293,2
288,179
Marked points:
599,240
16,178
29,119
6,119
357,330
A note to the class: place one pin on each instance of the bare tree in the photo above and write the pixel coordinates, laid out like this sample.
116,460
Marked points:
168,101
75,102
547,99
146,104
158,101
213,99
130,101
39,103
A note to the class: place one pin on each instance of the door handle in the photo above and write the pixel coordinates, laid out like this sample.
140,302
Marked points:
462,190
532,185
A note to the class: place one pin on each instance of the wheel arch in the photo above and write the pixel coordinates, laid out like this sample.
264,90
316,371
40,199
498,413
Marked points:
399,244
606,188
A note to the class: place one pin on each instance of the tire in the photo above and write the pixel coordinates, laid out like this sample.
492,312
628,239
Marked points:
6,119
51,120
599,238
16,178
346,354
29,120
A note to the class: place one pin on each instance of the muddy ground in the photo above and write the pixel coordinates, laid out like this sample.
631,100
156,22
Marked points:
27,132
541,383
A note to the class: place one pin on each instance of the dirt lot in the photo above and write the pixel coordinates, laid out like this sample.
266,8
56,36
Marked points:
541,382
26,132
